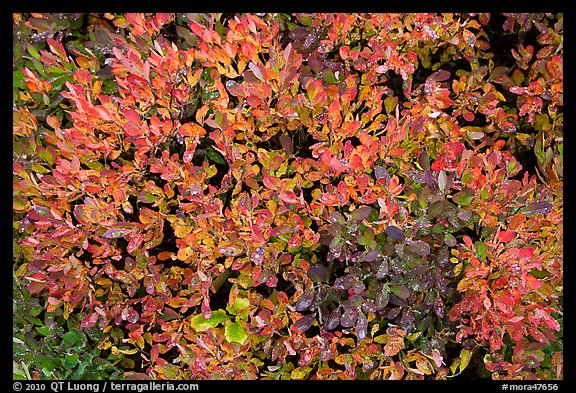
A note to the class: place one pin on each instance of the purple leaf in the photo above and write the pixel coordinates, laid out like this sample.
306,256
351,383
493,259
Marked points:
304,323
539,207
258,256
336,217
408,320
372,256
361,326
382,270
424,160
369,306
310,40
318,273
400,290
381,173
39,213
440,76
234,89
256,69
348,318
343,283
429,178
464,215
439,307
114,233
393,313
420,247
382,299
335,228
361,213
333,319
298,34
395,233
286,143
304,301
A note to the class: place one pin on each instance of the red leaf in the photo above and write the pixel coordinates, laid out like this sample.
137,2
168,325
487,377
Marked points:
137,81
83,76
234,89
258,70
533,282
551,322
506,236
328,199
273,183
289,197
89,320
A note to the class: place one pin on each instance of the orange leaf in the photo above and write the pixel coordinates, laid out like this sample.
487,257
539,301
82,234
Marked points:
164,255
191,130
396,152
83,76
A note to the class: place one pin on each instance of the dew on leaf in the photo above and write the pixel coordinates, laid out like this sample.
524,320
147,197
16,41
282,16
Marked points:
258,256
419,247
538,207
304,301
381,173
382,270
361,326
372,256
348,318
333,319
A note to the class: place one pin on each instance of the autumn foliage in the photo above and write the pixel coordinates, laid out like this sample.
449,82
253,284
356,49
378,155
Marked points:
290,196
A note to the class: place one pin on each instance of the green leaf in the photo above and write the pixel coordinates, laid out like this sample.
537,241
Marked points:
215,156
43,330
464,197
390,103
329,77
240,303
33,51
146,197
72,338
235,333
71,360
201,324
481,249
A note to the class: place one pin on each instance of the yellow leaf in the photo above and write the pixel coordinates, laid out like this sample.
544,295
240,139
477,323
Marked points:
424,365
457,269
455,365
116,351
185,253
300,372
465,355
381,339
463,284
413,336
181,231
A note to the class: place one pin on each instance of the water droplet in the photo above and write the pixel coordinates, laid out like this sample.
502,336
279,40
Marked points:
258,256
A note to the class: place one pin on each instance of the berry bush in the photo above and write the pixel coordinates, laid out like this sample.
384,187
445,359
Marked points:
288,196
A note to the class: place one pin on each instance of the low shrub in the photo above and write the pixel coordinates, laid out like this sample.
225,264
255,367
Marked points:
290,196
